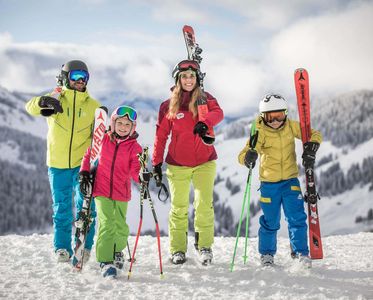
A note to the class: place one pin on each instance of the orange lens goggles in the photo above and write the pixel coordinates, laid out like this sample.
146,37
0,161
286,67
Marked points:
272,116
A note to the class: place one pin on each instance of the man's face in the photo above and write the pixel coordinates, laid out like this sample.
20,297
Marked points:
78,85
78,80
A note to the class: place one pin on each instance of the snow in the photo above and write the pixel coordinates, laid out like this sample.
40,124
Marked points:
29,271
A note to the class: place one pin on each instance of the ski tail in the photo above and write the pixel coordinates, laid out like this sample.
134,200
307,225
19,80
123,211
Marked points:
303,99
83,222
203,109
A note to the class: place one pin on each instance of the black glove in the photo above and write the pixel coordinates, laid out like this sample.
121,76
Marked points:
145,177
201,129
49,106
309,154
85,182
157,173
250,158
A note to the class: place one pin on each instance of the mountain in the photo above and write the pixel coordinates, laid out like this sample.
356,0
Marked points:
344,171
29,271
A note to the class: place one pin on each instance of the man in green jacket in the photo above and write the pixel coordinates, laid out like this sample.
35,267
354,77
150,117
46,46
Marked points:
69,112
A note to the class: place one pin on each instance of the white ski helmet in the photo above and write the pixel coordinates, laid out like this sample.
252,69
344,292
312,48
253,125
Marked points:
122,111
273,102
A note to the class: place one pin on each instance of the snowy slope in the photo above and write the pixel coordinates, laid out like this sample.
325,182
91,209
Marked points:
29,271
14,115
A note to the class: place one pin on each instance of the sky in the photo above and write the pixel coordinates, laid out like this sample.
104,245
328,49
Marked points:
250,48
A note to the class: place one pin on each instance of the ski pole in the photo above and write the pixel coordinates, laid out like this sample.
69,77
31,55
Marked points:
240,222
252,143
145,194
137,237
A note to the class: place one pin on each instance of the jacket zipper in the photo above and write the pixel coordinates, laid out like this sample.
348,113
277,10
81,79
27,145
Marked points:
72,130
112,170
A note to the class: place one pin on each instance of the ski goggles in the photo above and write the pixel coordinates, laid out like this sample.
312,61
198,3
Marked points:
272,116
126,111
188,64
76,75
187,74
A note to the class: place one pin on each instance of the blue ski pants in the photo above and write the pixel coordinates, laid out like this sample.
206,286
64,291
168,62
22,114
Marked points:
287,193
64,186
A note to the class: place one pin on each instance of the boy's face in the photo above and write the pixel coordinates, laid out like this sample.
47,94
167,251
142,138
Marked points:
275,124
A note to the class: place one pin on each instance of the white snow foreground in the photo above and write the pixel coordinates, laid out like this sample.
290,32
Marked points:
28,270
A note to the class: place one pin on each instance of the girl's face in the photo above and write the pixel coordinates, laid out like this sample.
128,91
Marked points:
188,80
123,126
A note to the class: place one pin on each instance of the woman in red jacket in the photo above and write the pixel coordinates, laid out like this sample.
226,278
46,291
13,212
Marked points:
112,188
189,161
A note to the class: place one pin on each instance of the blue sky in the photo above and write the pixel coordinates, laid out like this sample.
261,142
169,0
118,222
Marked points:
250,47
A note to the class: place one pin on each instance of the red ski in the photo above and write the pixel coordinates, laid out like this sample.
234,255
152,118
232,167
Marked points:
311,196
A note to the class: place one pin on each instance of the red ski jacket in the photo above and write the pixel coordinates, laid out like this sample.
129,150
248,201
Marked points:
118,163
185,148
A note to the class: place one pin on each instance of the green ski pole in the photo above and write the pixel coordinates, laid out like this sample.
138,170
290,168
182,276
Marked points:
252,143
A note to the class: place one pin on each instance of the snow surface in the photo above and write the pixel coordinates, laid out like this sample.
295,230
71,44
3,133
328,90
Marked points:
29,271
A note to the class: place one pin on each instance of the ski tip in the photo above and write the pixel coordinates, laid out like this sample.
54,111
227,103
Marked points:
300,70
104,108
129,275
162,276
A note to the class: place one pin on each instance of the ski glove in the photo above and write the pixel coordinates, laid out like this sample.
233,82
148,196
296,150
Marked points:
250,158
157,173
145,177
200,128
85,182
309,154
49,106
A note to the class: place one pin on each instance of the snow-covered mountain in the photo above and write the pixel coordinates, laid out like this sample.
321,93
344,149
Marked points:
29,271
344,172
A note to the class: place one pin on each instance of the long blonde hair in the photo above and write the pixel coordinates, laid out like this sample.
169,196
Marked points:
176,97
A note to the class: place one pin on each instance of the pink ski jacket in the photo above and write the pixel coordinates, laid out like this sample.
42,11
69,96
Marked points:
118,163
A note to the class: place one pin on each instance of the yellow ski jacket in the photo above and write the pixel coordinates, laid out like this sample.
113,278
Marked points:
277,150
69,132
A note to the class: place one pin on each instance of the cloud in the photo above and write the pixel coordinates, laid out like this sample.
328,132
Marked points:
336,48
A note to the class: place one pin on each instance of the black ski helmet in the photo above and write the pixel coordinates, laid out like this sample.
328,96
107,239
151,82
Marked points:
63,78
185,65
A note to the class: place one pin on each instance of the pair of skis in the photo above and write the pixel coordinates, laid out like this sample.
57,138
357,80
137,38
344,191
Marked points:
194,53
311,196
84,220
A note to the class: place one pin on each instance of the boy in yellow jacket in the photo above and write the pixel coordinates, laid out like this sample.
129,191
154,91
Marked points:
278,174
70,116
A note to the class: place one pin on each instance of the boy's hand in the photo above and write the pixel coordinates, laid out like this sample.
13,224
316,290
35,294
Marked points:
309,154
250,158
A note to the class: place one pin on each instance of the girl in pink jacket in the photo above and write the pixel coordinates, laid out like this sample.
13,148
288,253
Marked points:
112,187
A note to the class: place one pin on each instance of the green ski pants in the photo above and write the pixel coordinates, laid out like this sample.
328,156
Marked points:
179,178
113,230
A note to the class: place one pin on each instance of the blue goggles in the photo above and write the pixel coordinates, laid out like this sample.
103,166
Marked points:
76,75
127,110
